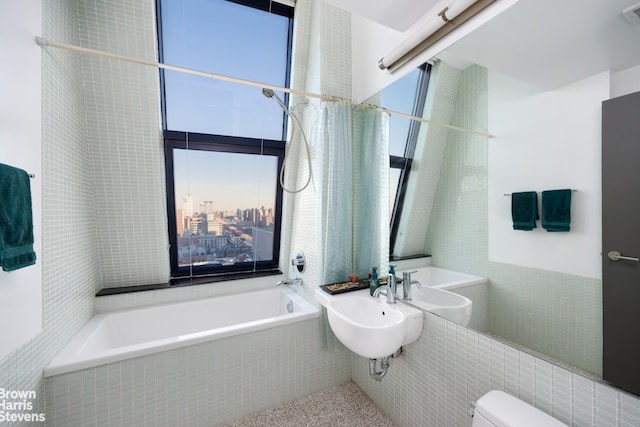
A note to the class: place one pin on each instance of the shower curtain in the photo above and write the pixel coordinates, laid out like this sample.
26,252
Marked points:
371,195
336,190
354,190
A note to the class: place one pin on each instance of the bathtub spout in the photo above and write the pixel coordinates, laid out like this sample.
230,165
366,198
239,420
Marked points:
296,281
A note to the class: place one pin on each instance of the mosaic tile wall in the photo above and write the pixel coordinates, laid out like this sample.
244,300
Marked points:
432,384
125,141
457,234
557,314
322,64
70,270
236,376
435,380
430,151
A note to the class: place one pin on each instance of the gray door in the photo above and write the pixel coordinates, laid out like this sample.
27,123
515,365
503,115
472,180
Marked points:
621,234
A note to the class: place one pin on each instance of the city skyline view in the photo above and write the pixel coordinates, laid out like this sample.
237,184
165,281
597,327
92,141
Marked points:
224,238
218,181
224,206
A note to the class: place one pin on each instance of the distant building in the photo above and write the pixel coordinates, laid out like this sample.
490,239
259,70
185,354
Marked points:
180,221
213,225
262,242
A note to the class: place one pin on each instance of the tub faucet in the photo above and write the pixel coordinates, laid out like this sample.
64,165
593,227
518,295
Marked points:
389,290
296,281
406,285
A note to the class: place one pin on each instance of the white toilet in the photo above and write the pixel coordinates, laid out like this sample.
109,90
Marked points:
499,409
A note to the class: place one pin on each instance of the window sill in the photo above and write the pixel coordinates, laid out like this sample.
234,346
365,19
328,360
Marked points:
186,281
402,258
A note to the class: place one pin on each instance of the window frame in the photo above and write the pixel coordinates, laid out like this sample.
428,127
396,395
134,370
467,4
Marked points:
405,162
228,144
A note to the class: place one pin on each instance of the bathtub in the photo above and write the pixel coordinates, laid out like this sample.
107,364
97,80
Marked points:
119,335
444,279
476,288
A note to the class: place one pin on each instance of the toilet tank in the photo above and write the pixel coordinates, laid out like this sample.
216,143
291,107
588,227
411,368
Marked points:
499,409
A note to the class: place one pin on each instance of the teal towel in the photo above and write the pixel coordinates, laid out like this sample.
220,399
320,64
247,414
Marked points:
524,210
556,210
16,222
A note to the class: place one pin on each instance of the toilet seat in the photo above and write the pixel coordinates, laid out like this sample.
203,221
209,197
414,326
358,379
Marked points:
499,409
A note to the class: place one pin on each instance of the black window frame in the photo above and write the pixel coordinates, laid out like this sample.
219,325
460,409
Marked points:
405,162
228,144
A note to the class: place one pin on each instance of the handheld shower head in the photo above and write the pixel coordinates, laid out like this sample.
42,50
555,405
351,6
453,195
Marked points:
269,93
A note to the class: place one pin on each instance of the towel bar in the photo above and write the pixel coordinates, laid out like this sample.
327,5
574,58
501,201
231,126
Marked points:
509,194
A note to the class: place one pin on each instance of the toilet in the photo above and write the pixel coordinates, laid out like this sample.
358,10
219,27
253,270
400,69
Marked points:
499,409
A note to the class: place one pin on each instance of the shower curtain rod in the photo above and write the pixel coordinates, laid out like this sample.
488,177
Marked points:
51,43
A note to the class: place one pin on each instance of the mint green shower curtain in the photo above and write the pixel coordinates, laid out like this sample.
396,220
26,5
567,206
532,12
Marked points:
371,195
336,190
354,190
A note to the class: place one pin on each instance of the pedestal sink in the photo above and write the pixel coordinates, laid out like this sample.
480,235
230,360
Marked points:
369,326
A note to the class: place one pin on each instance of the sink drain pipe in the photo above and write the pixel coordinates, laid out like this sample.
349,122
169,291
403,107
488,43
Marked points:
384,367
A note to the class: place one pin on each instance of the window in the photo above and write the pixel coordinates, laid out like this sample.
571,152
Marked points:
408,96
224,142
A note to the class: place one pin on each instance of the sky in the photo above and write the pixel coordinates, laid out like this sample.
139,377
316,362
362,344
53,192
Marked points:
205,35
244,181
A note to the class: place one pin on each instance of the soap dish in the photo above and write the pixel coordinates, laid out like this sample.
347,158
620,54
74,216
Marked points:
342,287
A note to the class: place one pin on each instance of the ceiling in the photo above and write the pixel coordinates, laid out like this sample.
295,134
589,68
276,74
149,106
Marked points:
395,14
546,43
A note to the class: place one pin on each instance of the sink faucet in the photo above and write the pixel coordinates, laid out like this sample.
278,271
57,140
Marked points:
406,285
296,281
389,290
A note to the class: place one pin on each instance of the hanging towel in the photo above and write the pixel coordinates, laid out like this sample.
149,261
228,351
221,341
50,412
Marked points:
16,221
556,210
524,210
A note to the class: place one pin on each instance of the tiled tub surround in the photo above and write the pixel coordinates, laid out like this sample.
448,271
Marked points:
211,384
121,335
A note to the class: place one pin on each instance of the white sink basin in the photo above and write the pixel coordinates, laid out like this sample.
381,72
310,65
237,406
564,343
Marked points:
454,307
370,327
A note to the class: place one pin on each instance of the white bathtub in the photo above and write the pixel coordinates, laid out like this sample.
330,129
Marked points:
476,288
120,335
444,279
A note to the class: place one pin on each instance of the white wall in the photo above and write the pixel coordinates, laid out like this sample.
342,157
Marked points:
544,141
371,41
20,146
625,82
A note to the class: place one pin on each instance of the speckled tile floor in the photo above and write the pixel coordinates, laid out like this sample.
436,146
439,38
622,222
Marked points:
345,405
